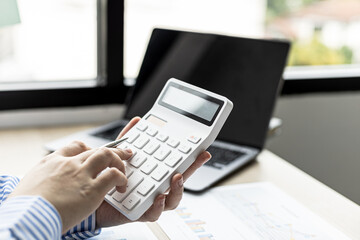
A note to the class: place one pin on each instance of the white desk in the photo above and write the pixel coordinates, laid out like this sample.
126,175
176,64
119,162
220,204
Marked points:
22,148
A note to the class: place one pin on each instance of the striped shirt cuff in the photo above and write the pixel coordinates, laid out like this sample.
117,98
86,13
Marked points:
30,217
83,230
7,185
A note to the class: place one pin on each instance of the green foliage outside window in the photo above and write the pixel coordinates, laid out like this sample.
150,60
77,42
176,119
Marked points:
316,53
313,52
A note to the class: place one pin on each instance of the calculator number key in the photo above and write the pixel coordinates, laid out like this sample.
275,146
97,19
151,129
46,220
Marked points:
162,153
184,148
145,187
131,201
141,126
162,137
134,180
159,173
141,142
148,167
151,131
173,159
151,147
173,142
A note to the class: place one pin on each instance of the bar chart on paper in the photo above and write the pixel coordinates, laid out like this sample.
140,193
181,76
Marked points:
249,211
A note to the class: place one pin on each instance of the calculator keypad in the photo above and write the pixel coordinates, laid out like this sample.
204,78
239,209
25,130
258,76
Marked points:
155,156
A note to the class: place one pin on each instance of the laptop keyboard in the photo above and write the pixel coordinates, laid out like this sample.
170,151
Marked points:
222,157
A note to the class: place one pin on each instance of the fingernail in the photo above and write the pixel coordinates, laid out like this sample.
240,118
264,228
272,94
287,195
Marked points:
128,150
180,182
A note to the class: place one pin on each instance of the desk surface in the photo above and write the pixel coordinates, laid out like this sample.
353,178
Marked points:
21,149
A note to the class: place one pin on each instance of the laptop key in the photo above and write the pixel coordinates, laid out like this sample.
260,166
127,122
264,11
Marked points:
221,156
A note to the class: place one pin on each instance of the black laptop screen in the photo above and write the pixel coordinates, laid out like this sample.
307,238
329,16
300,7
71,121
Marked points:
247,71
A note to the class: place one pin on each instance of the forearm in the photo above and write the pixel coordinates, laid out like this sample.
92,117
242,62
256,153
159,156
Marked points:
29,217
7,185
23,215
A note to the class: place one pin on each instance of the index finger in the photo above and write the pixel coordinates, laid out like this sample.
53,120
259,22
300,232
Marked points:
132,123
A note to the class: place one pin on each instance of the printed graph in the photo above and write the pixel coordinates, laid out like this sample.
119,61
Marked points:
197,226
257,211
267,217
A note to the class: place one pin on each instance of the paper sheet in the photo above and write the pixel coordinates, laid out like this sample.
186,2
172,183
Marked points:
131,231
254,211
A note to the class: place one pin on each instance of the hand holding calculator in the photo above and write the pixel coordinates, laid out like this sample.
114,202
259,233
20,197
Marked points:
182,123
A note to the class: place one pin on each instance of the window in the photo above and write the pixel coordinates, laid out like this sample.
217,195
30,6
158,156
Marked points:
56,40
325,33
63,53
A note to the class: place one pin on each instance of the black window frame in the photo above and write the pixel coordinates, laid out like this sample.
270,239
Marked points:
108,88
310,85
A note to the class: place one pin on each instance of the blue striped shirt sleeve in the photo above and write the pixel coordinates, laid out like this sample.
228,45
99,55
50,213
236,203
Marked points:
33,217
83,230
7,185
29,217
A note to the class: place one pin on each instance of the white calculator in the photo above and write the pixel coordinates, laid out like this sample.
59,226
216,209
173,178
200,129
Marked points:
182,123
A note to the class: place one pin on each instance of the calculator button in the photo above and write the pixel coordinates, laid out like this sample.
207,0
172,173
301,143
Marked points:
173,142
184,148
152,132
137,160
145,187
127,146
162,153
141,142
159,173
194,139
173,159
123,145
148,167
111,191
128,170
162,137
141,126
133,150
131,201
151,147
132,137
133,182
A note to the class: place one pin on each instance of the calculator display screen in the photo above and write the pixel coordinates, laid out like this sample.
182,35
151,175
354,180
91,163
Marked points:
191,103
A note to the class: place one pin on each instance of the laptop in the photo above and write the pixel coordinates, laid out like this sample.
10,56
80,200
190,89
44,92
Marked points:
247,71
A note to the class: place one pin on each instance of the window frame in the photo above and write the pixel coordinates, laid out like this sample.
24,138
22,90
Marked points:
329,82
109,86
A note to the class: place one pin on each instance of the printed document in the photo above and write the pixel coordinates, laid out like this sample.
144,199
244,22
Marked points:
256,211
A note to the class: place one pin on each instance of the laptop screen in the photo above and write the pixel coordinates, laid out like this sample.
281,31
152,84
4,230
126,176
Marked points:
247,71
